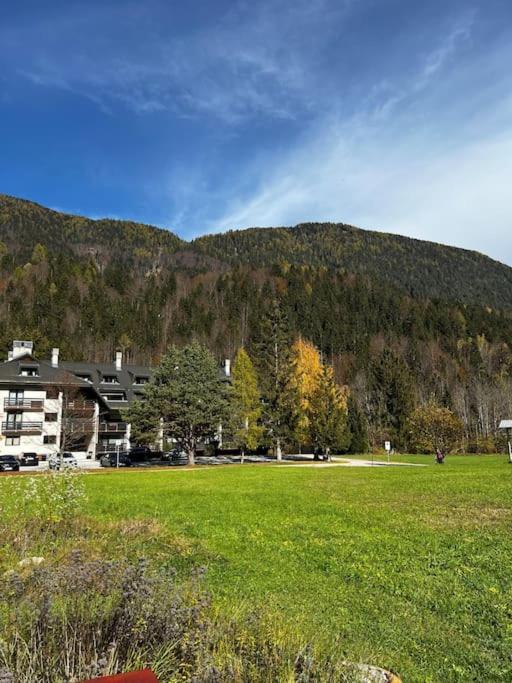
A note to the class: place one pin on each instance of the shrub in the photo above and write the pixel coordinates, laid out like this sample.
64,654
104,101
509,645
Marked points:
82,619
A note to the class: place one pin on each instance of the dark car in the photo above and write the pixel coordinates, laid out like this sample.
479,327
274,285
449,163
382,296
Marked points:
140,454
114,459
29,459
8,463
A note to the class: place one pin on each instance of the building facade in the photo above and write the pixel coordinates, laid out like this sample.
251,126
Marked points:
49,406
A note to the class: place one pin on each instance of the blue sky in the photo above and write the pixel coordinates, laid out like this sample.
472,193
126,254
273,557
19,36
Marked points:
204,116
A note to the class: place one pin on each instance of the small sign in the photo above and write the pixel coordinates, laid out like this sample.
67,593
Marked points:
387,446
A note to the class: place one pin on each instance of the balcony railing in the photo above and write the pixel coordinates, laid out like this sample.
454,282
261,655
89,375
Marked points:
114,427
22,427
23,404
79,406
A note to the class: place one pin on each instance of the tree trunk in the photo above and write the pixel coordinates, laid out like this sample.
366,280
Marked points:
242,456
279,453
191,452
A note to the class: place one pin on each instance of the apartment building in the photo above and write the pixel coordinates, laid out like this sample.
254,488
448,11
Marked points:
47,406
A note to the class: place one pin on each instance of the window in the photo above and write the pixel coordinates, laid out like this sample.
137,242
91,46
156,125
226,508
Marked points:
49,439
141,380
12,440
109,379
29,371
50,417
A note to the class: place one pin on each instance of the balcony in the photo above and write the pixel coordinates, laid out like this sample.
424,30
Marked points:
112,427
79,407
10,428
35,404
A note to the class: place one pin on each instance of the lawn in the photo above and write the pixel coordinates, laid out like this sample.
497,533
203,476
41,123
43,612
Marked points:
408,568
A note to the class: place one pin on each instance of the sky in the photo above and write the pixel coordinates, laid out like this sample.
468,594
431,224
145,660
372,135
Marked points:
393,115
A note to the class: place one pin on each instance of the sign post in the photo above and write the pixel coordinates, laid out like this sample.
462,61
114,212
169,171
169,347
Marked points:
507,426
387,446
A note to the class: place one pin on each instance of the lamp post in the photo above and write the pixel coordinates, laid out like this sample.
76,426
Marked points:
507,426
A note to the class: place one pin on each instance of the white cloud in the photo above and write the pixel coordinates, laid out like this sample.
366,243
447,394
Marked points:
410,162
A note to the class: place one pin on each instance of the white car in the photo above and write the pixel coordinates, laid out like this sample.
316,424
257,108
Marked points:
64,460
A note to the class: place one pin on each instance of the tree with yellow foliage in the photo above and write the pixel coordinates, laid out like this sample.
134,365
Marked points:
306,369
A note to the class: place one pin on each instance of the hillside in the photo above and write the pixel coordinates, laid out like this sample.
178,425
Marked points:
401,321
421,268
23,224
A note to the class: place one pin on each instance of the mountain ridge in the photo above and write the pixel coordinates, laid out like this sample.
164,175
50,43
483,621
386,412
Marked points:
420,268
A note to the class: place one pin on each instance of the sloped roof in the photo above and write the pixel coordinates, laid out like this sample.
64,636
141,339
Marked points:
126,377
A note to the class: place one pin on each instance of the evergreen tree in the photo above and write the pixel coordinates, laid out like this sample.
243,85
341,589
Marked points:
357,426
245,403
271,352
328,415
393,394
189,395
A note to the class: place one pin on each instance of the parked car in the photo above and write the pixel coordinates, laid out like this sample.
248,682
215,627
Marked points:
8,463
176,457
29,459
62,459
112,459
140,453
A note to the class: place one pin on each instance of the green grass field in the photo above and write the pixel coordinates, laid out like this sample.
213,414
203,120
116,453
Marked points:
408,568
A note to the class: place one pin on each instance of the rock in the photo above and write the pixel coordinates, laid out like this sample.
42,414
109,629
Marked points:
31,562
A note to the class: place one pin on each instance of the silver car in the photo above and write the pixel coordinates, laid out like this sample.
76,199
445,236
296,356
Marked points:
64,460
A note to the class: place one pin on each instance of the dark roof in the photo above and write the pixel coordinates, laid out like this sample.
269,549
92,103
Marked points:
126,377
47,374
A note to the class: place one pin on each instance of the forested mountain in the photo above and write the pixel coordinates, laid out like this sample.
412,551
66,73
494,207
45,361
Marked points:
401,321
421,268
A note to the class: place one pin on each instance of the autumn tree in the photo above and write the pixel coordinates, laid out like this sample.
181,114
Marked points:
306,369
245,404
328,417
432,428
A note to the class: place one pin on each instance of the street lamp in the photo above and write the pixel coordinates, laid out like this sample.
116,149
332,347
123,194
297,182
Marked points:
507,426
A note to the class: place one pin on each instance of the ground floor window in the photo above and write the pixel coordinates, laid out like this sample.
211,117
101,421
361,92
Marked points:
12,440
49,438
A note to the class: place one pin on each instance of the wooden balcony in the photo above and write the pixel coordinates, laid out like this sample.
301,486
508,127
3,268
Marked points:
17,428
16,404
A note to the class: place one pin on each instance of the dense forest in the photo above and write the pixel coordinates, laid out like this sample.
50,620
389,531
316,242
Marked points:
402,322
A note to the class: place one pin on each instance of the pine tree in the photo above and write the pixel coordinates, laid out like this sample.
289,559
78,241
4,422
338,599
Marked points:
328,415
245,403
189,396
357,426
271,352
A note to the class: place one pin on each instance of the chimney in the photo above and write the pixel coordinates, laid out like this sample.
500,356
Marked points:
227,367
119,360
55,358
21,348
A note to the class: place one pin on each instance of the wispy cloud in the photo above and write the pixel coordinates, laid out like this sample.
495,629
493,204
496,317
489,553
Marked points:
243,64
399,164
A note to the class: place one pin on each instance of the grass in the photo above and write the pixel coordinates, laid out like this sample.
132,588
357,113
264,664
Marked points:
408,568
